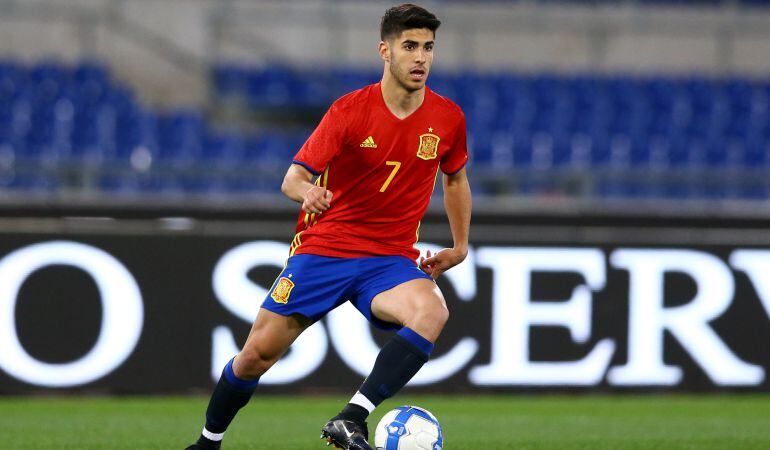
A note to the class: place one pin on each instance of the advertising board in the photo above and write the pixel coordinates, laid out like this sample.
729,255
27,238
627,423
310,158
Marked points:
153,310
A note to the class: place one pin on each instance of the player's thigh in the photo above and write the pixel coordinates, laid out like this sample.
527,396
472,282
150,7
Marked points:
272,334
400,303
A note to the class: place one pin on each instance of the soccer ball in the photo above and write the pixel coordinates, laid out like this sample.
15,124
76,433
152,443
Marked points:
409,428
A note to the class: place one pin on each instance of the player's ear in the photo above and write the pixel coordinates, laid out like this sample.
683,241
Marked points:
384,50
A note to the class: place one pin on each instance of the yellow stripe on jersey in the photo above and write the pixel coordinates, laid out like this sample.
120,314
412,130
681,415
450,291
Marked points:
295,243
322,181
324,178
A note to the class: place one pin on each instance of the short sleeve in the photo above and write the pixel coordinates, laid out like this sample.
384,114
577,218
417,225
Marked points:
457,156
325,142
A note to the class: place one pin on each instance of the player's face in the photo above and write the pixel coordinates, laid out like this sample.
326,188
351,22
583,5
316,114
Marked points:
410,56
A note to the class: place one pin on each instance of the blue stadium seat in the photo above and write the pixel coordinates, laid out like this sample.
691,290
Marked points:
30,183
443,84
179,137
756,153
349,79
164,183
681,153
52,114
119,185
480,149
498,147
219,148
754,191
542,151
94,135
271,87
254,185
12,81
49,81
230,80
277,148
136,142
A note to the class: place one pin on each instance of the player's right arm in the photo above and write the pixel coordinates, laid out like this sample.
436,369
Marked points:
297,186
314,156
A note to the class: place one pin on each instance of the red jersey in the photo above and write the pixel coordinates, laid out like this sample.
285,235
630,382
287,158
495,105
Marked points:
381,171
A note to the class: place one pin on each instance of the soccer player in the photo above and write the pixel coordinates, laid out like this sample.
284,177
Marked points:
375,156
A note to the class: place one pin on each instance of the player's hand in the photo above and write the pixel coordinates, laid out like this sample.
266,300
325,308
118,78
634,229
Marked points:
442,261
317,200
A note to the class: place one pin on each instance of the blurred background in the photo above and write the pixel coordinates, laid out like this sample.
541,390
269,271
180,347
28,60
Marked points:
620,166
619,160
575,101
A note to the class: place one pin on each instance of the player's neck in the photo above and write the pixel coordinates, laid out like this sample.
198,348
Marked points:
401,102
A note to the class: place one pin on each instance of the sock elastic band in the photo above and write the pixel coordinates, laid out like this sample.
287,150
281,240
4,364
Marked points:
423,345
361,400
216,437
237,383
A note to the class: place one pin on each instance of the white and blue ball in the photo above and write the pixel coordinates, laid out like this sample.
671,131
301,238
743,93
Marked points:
409,428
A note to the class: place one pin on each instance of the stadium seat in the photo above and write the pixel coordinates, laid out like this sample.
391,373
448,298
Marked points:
229,80
224,149
57,115
179,137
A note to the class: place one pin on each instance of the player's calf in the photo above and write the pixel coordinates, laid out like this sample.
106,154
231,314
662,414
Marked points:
230,395
398,361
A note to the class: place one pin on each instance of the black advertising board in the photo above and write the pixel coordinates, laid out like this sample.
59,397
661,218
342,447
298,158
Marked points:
158,306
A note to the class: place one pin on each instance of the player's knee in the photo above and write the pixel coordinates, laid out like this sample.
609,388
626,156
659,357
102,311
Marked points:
253,363
433,315
440,315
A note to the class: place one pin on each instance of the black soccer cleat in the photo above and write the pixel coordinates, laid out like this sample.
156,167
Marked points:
346,434
204,446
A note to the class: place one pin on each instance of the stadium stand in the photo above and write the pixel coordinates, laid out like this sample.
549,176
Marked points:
75,127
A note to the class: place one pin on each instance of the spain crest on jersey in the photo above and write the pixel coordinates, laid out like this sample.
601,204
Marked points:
282,290
428,146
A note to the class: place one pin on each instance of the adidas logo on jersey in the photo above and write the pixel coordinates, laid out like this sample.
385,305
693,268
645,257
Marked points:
369,143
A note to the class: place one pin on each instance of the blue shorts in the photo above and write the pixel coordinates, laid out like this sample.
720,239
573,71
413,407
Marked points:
313,285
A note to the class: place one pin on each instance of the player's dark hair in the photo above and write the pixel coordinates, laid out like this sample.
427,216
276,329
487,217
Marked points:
406,17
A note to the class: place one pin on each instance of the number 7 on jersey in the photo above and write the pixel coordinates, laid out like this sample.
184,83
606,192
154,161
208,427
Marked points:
396,165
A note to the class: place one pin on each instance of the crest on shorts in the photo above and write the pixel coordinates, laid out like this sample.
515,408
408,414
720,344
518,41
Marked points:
428,146
282,290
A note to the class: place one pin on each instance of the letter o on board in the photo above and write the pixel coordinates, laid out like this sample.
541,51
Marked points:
122,313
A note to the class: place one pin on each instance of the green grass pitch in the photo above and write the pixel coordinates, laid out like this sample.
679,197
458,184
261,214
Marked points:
470,422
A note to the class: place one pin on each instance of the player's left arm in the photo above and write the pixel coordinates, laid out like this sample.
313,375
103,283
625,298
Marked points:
457,203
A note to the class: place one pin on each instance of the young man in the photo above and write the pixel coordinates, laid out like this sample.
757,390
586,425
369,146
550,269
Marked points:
375,155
